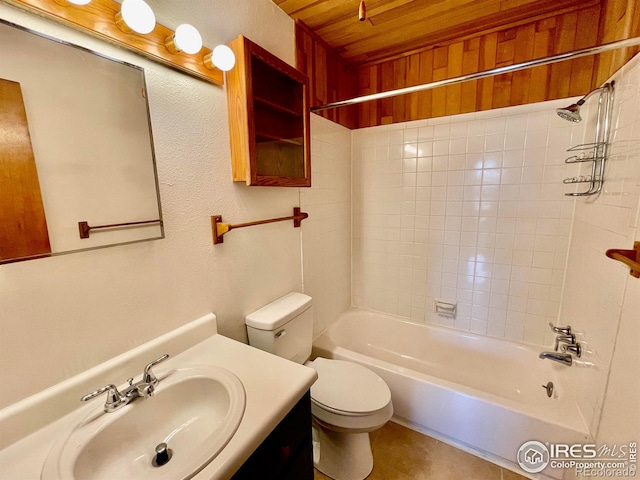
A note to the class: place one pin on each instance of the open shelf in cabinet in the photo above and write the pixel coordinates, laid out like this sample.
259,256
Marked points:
268,119
277,106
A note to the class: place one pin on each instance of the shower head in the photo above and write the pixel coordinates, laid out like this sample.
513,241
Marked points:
570,113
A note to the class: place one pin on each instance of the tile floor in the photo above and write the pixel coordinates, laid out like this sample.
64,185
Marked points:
403,454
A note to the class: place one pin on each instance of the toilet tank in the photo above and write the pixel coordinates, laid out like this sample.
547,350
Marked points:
284,327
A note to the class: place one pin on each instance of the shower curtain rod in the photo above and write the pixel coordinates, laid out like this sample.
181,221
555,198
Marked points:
630,42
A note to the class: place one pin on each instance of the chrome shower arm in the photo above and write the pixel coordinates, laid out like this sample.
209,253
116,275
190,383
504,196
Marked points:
588,95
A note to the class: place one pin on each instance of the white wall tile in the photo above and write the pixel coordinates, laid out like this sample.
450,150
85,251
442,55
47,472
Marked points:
475,215
485,221
326,234
596,288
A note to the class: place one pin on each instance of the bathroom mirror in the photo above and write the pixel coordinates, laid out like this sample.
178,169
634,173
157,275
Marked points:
76,150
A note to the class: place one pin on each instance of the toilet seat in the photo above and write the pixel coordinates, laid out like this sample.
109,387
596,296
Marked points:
346,388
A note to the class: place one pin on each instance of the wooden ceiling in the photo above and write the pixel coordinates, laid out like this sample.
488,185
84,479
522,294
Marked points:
396,27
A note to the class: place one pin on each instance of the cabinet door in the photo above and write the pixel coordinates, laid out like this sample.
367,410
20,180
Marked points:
23,226
287,453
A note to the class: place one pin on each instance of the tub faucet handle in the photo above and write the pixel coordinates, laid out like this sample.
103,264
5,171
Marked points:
561,330
568,339
573,349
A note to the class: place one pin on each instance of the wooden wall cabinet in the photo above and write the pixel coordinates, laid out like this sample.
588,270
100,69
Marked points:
268,119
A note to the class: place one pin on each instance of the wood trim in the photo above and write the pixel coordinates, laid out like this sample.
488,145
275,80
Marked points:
539,36
396,27
468,36
98,19
268,99
535,39
330,77
316,38
620,19
240,111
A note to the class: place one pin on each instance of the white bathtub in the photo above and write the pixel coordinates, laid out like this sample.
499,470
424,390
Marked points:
481,393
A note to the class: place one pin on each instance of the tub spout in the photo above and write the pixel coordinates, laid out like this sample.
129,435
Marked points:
563,358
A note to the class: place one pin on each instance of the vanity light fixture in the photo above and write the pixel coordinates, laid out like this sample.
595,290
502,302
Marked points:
186,39
222,58
136,16
96,17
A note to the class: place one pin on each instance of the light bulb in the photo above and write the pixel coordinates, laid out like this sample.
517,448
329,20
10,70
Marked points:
186,39
222,57
135,15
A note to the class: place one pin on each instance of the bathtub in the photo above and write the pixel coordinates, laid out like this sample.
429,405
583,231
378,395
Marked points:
479,393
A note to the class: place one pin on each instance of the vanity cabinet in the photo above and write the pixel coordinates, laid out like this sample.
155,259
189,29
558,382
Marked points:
287,453
268,102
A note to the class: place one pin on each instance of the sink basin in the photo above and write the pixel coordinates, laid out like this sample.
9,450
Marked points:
195,411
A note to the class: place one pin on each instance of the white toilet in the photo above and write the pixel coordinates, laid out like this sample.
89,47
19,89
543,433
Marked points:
347,401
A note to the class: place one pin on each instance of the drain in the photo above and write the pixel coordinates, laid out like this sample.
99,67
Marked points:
163,455
549,388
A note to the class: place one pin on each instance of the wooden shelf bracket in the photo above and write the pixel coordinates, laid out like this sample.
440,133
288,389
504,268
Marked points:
219,228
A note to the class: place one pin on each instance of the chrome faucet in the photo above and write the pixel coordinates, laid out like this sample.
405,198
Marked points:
114,401
142,389
575,349
570,346
569,339
561,330
563,358
147,374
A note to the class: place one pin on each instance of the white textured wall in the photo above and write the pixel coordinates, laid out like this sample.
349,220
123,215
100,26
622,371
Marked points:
601,299
469,208
326,235
60,316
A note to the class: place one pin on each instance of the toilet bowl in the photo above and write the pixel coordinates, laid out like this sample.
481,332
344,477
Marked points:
347,401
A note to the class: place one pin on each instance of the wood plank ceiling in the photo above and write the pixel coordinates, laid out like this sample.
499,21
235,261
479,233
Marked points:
397,27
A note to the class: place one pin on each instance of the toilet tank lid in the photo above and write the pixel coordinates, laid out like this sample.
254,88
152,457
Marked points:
279,312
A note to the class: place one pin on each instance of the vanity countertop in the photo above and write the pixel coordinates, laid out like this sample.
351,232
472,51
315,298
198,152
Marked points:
272,385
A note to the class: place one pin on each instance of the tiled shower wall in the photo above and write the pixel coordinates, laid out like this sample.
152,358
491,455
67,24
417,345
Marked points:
600,297
470,208
326,234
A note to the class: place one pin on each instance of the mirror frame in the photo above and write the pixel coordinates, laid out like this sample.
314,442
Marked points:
160,220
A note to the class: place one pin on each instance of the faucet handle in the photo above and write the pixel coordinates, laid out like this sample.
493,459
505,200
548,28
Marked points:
569,339
146,390
147,375
114,398
561,330
573,349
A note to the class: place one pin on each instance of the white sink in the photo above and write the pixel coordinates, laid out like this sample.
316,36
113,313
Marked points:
195,411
